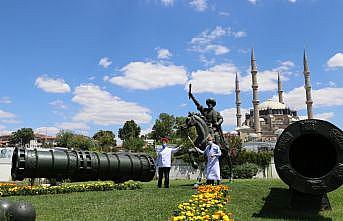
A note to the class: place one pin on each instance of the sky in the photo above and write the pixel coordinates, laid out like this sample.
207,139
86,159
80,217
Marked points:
85,65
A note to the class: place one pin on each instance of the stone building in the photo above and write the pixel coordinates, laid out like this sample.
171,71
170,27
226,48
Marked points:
271,116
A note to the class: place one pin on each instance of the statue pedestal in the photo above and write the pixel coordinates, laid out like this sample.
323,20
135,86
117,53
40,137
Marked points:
308,202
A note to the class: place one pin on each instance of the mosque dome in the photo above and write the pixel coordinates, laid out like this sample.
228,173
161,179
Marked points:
270,104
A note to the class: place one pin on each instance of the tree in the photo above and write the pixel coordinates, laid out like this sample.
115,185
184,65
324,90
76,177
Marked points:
81,142
163,126
64,138
22,136
130,130
105,139
70,140
134,144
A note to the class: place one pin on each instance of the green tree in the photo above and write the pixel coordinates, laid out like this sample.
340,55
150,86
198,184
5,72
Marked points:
79,142
22,136
105,139
134,144
64,138
164,126
129,130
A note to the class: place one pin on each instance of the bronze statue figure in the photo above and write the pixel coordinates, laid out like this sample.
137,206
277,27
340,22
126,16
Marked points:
212,117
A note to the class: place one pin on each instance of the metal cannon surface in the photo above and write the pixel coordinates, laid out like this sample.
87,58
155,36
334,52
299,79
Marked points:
309,159
81,165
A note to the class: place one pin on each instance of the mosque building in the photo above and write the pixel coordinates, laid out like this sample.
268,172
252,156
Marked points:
268,119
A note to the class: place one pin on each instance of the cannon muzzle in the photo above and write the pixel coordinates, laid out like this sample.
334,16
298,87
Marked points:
81,165
309,157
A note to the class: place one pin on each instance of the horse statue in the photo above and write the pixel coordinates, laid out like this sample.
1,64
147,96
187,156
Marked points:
202,129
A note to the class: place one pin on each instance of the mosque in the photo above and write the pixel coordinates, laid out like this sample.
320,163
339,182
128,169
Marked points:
267,120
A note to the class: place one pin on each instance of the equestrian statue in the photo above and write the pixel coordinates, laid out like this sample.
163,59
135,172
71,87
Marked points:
207,122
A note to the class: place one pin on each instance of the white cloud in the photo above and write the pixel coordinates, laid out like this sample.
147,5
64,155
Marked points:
217,49
324,116
167,2
239,34
102,108
5,100
335,61
253,2
91,78
105,62
324,97
106,78
206,61
163,53
206,37
51,131
148,75
52,85
321,116
59,104
9,121
219,79
206,42
4,114
224,13
73,126
292,1
209,42
229,116
198,5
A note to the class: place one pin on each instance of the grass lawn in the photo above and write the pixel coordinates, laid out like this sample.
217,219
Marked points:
251,200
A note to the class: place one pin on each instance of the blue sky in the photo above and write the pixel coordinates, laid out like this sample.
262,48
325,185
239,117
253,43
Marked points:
91,65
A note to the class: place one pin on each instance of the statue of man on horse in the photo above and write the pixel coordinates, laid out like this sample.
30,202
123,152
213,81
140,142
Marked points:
208,122
212,117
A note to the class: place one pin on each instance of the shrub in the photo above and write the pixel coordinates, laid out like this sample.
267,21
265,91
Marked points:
245,171
262,159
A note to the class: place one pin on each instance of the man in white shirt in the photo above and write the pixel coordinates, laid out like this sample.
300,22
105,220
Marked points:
163,162
213,152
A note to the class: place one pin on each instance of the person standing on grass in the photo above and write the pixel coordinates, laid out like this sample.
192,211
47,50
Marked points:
213,152
163,162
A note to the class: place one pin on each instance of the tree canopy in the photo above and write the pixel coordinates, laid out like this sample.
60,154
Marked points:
129,130
105,138
22,136
76,141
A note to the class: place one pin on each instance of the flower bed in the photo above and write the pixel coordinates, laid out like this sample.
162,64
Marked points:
14,190
209,203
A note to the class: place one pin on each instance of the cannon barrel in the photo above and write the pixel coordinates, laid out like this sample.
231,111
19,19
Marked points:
309,157
81,165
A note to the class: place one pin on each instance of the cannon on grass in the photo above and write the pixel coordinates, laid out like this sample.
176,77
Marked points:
81,165
309,159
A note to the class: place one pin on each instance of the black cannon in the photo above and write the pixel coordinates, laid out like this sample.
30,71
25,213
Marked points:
309,159
81,165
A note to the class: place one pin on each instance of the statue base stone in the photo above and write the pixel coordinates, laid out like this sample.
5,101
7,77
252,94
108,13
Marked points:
308,202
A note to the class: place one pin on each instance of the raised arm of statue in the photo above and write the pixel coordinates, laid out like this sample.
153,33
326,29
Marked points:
191,96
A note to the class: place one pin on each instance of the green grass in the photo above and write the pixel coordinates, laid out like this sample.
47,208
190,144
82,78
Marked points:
251,200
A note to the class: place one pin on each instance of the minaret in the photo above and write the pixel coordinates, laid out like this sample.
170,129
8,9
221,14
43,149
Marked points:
238,103
308,88
279,88
255,100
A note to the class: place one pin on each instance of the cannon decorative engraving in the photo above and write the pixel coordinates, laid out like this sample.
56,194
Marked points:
309,159
81,165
